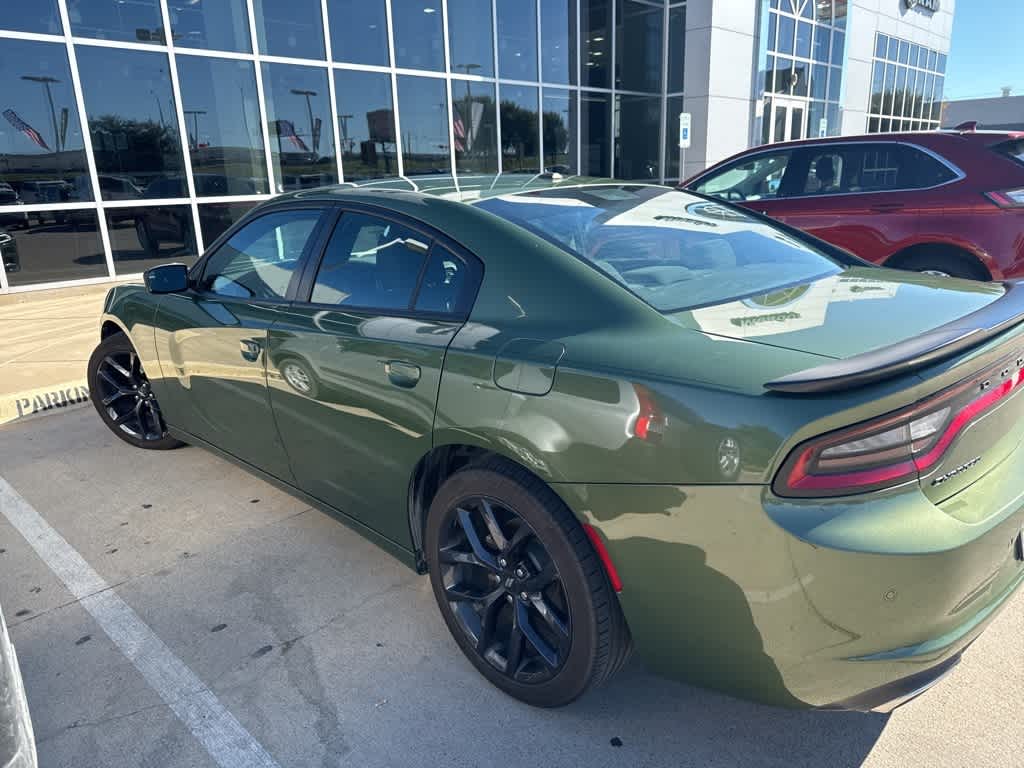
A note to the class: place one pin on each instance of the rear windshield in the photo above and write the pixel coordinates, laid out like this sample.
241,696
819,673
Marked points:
1012,149
674,250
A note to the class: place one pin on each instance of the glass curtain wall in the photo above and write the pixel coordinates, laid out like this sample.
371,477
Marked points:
906,86
137,133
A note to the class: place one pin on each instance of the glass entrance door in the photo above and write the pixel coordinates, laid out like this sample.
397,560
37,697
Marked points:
787,120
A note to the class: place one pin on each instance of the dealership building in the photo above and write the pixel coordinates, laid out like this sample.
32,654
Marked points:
134,132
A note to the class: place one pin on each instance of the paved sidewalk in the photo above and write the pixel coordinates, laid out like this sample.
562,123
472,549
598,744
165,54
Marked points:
46,338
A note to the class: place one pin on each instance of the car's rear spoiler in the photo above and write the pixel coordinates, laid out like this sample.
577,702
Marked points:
885,363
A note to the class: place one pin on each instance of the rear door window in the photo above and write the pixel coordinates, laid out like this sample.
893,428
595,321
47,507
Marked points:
1012,149
873,166
752,178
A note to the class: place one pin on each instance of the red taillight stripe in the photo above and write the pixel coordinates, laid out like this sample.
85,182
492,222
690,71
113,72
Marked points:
966,415
603,556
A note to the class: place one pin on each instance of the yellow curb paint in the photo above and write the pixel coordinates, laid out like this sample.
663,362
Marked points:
41,399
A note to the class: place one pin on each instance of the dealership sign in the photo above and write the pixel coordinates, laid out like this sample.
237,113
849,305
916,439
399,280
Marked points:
928,5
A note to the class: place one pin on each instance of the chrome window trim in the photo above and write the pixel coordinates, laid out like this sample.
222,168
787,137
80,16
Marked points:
958,174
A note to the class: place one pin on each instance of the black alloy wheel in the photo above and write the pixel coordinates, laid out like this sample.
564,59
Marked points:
520,587
123,396
505,590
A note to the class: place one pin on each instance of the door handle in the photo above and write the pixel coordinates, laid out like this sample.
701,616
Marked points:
251,349
888,207
402,374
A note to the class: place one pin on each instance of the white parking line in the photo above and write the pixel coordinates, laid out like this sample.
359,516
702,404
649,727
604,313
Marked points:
223,737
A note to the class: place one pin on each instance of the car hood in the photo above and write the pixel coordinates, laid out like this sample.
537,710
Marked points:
858,310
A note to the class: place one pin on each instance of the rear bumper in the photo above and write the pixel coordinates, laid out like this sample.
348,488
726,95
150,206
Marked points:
863,610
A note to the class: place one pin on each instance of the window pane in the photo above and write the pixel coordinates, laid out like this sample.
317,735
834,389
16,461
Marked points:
259,259
222,115
815,116
419,39
143,237
423,106
596,45
359,31
560,131
881,44
787,31
370,262
221,25
366,124
757,178
38,16
838,42
821,40
473,121
471,37
834,83
519,129
803,40
42,155
558,43
674,107
638,135
65,245
596,134
216,218
139,21
290,28
131,119
800,78
448,283
517,40
298,117
638,33
904,51
677,47
769,74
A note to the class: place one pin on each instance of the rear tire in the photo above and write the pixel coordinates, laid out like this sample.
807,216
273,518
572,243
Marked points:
542,642
945,263
120,391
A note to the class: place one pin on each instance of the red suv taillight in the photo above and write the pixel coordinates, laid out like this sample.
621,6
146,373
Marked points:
1007,198
897,447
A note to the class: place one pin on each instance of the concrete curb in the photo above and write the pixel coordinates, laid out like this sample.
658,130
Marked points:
41,399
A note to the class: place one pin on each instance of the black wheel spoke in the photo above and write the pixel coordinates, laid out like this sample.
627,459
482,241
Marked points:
118,394
488,621
118,367
112,382
458,593
544,578
514,651
545,651
548,614
453,556
481,552
497,536
520,537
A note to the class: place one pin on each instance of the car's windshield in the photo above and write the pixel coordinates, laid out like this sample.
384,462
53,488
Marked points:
674,250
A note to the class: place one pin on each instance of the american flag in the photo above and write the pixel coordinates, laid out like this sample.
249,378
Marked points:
460,132
286,129
14,119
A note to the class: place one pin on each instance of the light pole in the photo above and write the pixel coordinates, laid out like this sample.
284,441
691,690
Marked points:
195,125
309,111
344,132
46,80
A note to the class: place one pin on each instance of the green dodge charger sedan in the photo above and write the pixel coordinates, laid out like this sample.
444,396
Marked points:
603,416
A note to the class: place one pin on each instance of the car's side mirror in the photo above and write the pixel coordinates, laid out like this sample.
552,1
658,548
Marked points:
167,278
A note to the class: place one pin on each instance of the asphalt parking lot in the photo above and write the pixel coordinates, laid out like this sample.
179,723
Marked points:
216,599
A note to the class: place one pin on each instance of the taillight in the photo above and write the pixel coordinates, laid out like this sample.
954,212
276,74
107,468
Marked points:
898,447
1007,198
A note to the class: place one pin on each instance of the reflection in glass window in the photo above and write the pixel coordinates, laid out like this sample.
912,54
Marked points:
132,119
560,120
419,42
222,116
359,31
138,21
423,107
258,261
638,46
637,131
519,129
473,124
471,37
517,40
39,16
366,124
42,154
672,110
59,245
301,134
143,237
216,218
292,28
676,47
595,134
221,25
558,41
596,43
370,262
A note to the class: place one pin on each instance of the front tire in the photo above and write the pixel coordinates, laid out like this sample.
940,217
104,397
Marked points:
121,393
520,587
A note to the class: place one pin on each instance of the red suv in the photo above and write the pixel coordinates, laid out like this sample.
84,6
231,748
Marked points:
949,202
